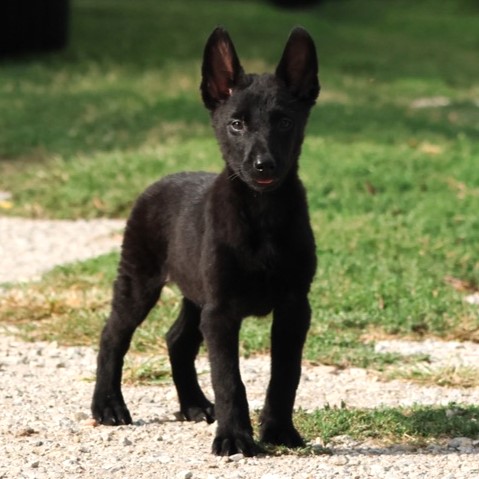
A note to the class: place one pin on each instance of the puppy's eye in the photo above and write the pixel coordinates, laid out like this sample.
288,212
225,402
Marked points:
285,124
237,125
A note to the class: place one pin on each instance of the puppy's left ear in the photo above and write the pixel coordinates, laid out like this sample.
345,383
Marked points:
221,69
298,67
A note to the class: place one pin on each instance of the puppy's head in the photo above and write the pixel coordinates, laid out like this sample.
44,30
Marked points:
259,120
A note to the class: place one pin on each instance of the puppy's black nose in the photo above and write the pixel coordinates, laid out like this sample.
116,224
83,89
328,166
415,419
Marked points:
264,165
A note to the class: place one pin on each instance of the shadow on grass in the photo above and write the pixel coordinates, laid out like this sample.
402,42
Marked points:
74,124
115,45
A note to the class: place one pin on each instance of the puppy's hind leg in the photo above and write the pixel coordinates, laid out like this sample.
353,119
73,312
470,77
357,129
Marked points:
184,340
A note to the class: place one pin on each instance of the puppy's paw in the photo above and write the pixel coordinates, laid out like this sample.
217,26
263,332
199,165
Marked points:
280,435
197,413
233,443
110,412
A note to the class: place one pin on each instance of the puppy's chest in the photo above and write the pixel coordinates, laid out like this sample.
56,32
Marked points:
258,270
262,250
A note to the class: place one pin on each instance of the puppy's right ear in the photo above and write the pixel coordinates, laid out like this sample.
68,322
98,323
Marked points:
298,67
221,69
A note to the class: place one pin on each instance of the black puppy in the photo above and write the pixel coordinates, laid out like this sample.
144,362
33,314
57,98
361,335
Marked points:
237,244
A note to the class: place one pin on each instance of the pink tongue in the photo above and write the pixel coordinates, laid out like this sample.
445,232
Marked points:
264,182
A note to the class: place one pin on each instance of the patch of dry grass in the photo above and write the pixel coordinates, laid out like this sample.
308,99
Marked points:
453,376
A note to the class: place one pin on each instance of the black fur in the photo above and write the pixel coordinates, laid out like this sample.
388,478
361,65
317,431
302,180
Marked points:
237,244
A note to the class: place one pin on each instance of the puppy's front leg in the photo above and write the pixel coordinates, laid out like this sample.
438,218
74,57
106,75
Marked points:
234,433
291,321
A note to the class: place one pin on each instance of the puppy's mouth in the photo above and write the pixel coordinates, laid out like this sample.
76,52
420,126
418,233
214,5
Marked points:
260,182
265,182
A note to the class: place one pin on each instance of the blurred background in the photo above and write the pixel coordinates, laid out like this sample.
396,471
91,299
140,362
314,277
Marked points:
84,76
99,98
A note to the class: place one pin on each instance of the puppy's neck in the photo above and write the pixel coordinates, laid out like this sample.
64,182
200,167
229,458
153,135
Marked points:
230,192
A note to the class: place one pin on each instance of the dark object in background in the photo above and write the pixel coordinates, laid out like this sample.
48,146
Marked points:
29,26
296,3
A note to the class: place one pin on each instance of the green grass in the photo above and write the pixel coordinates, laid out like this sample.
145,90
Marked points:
393,189
417,424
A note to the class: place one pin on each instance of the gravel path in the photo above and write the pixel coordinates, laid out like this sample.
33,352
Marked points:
45,391
31,247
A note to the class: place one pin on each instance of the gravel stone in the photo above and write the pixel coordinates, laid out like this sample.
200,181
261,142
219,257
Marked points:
463,444
339,460
184,475
236,457
126,442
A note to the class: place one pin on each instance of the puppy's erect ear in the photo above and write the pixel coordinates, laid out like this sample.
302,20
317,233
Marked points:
221,69
298,67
